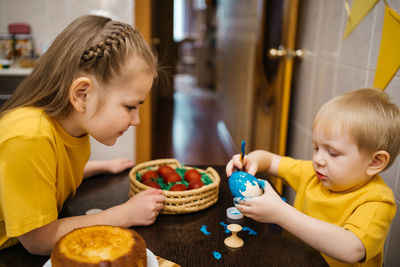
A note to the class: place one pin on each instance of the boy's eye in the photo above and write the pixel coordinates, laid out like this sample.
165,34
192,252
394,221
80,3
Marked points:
315,148
333,153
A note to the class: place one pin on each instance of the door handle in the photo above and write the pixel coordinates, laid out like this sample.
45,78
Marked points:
282,52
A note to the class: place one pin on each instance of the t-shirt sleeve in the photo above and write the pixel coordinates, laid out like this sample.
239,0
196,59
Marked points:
370,222
27,184
294,171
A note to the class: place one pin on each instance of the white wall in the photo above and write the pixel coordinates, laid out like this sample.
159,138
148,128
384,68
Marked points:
48,18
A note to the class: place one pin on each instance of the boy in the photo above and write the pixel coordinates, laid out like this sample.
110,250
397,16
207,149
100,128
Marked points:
342,208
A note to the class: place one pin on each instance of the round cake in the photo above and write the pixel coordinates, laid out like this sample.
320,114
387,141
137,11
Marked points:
100,245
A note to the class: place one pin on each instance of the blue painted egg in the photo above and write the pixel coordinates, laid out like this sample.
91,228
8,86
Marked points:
243,184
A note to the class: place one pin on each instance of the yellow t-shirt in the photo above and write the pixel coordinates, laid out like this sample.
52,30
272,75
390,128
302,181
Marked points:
367,211
41,165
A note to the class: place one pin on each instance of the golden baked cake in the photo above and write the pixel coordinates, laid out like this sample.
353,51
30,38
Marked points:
100,245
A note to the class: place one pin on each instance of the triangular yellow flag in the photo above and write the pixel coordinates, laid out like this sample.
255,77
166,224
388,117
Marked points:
389,52
359,10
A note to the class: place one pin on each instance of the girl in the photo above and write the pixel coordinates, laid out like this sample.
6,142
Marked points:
91,81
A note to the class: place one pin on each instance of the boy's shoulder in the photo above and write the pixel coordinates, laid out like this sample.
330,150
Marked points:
377,189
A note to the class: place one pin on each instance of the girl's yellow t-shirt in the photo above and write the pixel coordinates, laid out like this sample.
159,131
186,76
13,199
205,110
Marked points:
367,211
41,165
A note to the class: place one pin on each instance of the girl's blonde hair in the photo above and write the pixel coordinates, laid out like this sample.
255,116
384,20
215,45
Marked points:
92,45
367,116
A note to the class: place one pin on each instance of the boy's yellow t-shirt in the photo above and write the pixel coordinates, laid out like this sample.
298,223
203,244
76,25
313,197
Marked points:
41,165
367,211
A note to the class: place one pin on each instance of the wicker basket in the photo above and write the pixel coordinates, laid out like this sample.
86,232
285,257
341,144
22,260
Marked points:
178,202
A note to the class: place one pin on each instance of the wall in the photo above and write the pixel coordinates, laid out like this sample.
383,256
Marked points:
332,66
48,18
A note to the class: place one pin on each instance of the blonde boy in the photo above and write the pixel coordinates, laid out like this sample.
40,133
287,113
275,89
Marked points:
343,208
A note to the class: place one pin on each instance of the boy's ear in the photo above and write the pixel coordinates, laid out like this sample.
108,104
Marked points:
78,93
378,163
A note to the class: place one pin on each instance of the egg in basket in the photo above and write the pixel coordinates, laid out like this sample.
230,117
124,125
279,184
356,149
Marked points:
187,189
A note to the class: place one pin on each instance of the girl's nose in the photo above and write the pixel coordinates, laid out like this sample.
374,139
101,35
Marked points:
135,119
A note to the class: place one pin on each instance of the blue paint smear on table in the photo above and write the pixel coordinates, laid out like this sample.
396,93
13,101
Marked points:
251,231
204,230
217,255
225,227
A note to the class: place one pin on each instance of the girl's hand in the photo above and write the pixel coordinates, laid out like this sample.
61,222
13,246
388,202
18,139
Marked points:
249,165
143,208
265,208
115,166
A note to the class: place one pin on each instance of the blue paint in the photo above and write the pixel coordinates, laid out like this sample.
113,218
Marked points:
251,231
204,230
243,149
217,255
238,180
261,183
225,227
236,200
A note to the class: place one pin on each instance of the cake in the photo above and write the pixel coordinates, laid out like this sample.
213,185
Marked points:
100,245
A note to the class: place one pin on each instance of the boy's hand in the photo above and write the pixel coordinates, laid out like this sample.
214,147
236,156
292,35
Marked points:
235,163
144,207
115,166
264,208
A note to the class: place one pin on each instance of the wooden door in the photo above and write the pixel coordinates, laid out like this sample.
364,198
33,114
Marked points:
274,75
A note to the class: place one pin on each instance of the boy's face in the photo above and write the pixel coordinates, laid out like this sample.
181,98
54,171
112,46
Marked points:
337,161
116,106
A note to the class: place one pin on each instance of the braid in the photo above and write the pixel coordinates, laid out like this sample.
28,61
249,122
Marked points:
107,46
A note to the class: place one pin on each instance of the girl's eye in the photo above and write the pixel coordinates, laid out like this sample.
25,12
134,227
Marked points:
131,107
315,148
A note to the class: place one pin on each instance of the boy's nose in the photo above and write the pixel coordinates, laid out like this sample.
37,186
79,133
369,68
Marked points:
318,159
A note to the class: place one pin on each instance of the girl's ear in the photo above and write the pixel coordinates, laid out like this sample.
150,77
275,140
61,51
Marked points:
78,93
378,163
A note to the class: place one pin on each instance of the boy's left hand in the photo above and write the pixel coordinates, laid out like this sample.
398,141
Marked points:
264,208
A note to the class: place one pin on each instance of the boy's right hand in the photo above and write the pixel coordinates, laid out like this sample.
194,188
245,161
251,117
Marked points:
144,207
248,165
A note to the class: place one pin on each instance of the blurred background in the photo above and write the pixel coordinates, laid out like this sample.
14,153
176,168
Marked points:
253,70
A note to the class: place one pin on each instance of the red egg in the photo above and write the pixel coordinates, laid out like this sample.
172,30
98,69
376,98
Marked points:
149,175
163,170
192,175
172,177
152,183
195,184
178,187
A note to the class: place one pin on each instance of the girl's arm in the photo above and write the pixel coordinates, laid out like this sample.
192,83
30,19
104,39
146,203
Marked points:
114,166
256,161
142,209
330,239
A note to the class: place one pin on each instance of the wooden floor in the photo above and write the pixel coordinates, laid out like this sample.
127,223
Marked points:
188,126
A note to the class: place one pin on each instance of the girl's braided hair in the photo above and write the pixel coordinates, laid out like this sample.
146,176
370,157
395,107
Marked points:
93,45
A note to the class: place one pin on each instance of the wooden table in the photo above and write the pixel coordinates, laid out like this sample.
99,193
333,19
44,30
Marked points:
178,238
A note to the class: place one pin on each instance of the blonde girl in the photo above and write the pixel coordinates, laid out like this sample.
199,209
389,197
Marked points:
91,81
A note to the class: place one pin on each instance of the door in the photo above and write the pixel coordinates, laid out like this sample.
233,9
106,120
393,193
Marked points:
277,55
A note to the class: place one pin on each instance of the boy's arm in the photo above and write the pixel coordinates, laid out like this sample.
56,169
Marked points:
327,238
330,239
94,167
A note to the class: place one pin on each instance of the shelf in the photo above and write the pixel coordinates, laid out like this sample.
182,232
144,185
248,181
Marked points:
15,72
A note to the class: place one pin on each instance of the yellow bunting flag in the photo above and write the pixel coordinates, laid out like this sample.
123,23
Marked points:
389,52
359,10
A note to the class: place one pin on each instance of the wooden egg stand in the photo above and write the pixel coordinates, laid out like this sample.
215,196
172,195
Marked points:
234,241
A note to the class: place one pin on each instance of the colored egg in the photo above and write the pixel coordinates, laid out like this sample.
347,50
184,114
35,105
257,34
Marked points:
243,184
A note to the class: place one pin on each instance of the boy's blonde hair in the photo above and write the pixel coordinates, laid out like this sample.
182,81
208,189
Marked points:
91,45
368,117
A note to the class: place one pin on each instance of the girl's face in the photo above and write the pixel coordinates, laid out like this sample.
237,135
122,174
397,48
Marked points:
115,107
337,161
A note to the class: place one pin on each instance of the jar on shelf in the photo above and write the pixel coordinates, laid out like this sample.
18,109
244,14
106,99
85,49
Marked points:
23,48
6,50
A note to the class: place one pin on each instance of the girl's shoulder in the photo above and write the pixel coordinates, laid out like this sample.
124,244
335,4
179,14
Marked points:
25,120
